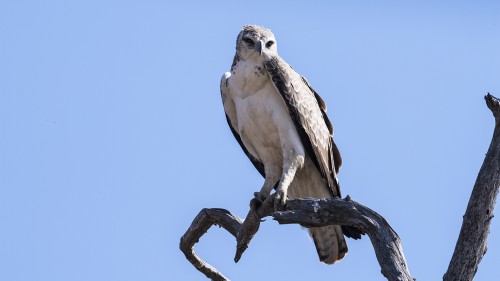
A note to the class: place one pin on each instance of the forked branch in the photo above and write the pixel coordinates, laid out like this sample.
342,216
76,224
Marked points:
308,213
243,231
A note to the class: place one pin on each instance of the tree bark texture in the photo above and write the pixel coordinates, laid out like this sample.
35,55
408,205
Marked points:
308,213
243,231
385,241
471,244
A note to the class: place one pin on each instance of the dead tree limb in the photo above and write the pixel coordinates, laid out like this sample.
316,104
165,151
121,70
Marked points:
243,231
321,212
471,244
308,213
200,225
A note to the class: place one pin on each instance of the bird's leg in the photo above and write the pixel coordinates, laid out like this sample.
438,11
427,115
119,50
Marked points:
290,166
272,177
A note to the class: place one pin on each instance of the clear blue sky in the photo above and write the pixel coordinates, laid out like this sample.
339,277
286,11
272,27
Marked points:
113,136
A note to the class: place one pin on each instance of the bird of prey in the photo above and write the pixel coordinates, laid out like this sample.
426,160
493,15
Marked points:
281,124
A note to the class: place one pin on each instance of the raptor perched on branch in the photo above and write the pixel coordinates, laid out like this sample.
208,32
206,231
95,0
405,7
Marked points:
281,124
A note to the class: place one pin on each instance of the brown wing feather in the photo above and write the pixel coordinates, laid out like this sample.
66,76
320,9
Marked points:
308,116
308,111
336,153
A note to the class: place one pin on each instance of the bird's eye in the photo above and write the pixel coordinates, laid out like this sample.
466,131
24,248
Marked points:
269,44
248,41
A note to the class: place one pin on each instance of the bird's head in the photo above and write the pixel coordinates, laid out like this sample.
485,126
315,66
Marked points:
256,43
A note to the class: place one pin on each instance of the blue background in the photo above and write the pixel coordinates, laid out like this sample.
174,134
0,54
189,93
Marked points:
113,135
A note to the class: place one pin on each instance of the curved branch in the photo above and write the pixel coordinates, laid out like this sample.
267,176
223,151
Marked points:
321,212
200,225
243,231
471,244
308,213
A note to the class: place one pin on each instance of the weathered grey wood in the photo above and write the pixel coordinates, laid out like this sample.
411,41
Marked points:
243,231
248,229
385,241
309,213
200,225
471,244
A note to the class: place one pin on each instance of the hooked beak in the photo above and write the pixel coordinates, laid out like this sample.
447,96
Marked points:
258,47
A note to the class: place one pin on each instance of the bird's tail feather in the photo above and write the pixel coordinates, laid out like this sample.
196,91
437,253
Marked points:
330,243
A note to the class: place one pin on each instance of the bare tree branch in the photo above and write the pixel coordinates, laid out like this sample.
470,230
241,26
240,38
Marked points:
308,213
471,244
242,231
470,248
321,212
200,225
